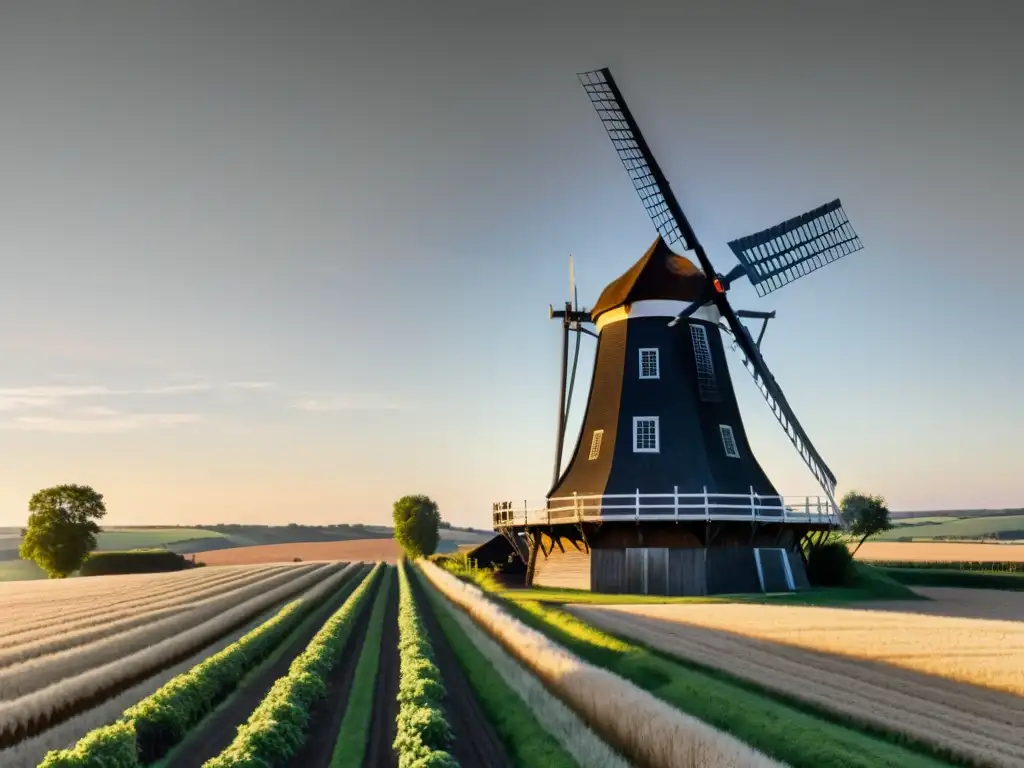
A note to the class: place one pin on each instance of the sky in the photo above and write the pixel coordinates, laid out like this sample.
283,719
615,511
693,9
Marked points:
287,262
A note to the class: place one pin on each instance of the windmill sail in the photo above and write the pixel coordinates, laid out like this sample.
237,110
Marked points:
636,157
771,258
777,256
772,394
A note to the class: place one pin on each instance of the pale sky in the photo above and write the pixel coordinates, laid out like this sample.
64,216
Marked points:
286,262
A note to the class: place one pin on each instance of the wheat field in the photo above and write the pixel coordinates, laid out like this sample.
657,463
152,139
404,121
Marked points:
643,727
940,551
982,726
47,676
981,652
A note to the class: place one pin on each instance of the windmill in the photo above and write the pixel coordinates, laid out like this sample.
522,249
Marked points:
683,508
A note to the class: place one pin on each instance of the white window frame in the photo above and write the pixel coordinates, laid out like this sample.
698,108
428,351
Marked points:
707,381
726,429
596,439
657,434
657,363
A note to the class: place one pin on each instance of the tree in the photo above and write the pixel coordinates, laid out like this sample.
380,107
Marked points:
62,528
416,521
866,515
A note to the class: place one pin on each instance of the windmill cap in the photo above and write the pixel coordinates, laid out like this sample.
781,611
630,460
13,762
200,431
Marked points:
659,274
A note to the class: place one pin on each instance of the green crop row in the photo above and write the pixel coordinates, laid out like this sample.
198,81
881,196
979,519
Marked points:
350,745
423,732
149,729
276,729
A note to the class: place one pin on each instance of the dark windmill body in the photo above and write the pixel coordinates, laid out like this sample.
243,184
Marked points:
662,493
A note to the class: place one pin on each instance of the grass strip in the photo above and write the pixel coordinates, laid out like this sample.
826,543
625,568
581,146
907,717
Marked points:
526,739
952,577
350,748
869,583
795,733
276,729
423,733
161,720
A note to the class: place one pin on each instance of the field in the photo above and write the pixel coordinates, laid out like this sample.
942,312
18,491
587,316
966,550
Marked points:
1002,527
951,552
950,682
350,663
192,540
365,549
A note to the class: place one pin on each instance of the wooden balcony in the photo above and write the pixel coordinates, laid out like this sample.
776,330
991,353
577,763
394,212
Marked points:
674,506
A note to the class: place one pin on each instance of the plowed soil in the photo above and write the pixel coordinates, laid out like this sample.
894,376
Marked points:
369,550
476,743
379,752
215,733
325,720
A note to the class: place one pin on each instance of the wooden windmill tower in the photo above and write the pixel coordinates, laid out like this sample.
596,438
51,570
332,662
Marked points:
662,493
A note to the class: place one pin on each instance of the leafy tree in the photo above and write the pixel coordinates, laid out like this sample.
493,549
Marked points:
416,519
866,515
62,528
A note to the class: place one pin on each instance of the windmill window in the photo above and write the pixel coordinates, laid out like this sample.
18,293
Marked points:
729,441
707,385
649,364
645,434
595,443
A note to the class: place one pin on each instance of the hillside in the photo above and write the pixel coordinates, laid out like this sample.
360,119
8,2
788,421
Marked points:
192,539
1004,527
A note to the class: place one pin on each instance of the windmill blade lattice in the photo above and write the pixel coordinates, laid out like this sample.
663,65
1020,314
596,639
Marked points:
777,256
636,157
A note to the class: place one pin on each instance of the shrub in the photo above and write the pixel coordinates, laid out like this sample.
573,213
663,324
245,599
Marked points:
112,746
830,565
423,733
276,730
136,561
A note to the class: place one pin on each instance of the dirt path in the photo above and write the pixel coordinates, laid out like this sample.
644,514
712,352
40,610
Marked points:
381,735
476,742
217,731
325,719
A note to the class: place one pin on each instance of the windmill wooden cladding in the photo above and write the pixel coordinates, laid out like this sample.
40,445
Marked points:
645,729
979,726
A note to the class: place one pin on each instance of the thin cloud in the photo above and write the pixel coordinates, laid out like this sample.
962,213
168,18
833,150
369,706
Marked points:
348,403
249,385
118,424
172,389
12,398
55,391
21,402
98,410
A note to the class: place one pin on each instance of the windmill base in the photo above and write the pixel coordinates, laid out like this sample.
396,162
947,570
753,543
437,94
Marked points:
671,560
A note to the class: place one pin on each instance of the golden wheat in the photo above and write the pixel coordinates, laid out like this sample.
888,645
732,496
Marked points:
84,609
975,724
557,719
40,704
978,651
644,728
59,599
40,671
940,551
30,752
53,637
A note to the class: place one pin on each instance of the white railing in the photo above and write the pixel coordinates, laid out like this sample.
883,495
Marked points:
629,507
